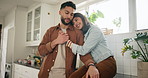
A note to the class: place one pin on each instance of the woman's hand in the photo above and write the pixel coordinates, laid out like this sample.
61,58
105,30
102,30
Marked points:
92,72
69,44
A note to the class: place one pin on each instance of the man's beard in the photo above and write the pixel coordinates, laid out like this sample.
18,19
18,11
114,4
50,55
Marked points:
63,21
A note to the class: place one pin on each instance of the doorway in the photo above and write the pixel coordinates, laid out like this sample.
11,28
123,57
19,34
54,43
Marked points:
7,49
0,46
0,33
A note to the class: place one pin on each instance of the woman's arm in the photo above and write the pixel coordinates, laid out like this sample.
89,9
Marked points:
93,38
86,59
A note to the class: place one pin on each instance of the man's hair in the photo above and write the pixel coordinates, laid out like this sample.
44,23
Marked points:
69,4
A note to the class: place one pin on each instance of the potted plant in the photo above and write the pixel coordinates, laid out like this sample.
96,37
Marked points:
141,40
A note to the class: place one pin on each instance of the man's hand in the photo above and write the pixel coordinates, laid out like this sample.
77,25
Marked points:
92,72
62,37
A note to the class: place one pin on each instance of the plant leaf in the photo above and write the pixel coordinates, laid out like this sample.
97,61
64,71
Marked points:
135,54
100,14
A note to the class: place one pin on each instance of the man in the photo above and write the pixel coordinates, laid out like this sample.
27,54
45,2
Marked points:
59,61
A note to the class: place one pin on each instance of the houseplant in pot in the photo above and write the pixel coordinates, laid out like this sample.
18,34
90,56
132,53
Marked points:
140,53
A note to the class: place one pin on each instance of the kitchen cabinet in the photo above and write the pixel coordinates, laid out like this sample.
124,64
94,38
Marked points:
21,71
39,19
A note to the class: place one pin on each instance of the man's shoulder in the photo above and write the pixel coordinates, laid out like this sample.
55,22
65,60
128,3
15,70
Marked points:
51,28
78,31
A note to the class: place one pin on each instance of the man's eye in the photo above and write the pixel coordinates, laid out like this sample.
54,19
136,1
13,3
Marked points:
66,12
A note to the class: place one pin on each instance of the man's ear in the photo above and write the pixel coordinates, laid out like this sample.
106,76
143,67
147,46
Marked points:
60,12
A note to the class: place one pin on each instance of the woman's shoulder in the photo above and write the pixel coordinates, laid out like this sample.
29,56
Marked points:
94,28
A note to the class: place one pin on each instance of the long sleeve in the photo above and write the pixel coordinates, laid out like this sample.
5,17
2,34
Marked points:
94,37
86,59
45,45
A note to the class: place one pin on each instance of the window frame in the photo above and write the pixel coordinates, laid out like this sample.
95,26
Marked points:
132,14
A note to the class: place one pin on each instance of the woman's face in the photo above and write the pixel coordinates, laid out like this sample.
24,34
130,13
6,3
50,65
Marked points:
77,21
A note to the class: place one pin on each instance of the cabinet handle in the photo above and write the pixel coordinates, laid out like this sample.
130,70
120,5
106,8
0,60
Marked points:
48,13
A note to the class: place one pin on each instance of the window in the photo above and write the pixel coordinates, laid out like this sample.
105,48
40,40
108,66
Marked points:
83,12
115,15
142,14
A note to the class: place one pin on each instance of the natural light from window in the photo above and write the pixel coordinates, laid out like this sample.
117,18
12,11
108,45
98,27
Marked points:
142,14
114,11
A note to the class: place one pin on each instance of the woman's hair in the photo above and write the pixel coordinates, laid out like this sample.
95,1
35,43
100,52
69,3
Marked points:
86,23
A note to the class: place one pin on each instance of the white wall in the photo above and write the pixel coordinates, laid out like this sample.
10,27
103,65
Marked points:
10,46
15,18
10,18
20,49
8,22
1,20
57,18
125,64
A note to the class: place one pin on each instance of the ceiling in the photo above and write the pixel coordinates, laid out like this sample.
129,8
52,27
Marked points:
6,5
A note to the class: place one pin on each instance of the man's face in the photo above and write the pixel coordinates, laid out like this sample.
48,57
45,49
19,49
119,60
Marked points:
66,15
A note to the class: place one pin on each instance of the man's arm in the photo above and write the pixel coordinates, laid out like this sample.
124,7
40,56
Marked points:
46,46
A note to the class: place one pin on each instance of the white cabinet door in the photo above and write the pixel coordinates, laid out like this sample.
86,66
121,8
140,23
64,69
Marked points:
21,71
39,19
29,26
18,75
34,73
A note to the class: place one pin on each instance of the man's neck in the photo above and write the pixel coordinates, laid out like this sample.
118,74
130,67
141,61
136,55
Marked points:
63,26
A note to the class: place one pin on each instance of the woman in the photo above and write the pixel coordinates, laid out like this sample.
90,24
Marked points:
95,44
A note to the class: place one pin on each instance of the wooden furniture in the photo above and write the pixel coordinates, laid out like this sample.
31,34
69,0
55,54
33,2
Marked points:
107,31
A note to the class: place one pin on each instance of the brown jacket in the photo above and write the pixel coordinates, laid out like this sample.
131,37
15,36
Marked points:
49,54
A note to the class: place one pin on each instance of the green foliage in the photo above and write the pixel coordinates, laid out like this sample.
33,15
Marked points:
142,41
135,54
93,16
117,21
142,36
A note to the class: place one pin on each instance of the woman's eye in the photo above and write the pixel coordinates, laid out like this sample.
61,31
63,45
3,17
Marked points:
76,20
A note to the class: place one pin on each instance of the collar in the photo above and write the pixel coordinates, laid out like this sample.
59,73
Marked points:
70,27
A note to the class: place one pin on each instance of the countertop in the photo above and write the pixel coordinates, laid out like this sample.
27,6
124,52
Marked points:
28,65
